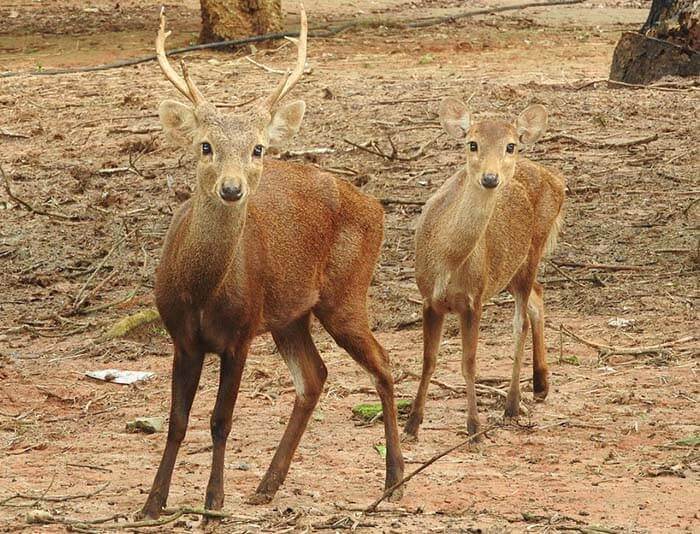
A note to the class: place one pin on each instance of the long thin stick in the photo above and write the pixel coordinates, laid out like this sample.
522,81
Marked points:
54,498
79,300
602,266
31,208
372,507
608,350
318,32
85,525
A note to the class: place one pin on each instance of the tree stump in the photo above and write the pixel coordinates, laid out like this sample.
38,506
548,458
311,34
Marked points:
233,19
667,44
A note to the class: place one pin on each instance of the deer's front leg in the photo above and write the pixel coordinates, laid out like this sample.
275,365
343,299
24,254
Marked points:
230,372
308,374
469,326
187,368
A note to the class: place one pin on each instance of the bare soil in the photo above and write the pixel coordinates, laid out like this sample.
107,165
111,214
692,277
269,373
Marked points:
611,447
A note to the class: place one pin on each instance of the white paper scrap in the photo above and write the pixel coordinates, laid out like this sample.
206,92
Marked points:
120,377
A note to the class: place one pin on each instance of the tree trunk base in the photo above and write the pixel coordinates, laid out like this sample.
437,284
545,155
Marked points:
641,60
233,19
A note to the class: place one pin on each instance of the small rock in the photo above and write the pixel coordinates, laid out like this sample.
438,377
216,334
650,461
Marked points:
620,322
147,425
35,517
241,466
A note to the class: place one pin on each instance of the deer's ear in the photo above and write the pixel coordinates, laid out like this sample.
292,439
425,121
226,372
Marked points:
179,121
531,123
285,122
454,117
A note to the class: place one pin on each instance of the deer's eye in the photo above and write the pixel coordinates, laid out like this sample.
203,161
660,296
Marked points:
206,149
510,148
258,151
473,146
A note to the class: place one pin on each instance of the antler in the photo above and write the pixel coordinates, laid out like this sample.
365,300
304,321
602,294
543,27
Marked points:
289,80
186,86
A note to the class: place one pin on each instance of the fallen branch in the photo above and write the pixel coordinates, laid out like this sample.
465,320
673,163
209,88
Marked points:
604,351
264,67
402,201
53,498
659,87
127,324
8,133
309,151
565,275
317,32
601,266
30,207
373,507
82,296
574,525
372,148
143,130
89,525
627,143
480,387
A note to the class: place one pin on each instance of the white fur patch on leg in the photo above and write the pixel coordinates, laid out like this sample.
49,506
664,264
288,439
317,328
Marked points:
518,320
297,377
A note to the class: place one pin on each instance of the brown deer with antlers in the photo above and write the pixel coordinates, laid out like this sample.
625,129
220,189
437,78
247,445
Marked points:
261,246
484,230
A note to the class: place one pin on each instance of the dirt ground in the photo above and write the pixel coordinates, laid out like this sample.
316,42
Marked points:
614,447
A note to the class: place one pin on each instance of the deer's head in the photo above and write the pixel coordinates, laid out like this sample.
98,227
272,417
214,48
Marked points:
229,147
491,145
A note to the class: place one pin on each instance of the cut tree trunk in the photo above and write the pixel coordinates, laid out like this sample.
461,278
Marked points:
233,19
668,44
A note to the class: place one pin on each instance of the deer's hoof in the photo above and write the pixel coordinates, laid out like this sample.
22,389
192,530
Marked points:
146,513
258,498
473,428
539,396
396,495
408,438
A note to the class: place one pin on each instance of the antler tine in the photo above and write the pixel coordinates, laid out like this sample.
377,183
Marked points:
197,96
186,86
290,79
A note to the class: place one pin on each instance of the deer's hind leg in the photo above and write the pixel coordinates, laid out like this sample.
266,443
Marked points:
349,326
540,372
308,374
520,287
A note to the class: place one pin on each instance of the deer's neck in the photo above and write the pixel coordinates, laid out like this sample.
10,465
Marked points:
466,217
211,243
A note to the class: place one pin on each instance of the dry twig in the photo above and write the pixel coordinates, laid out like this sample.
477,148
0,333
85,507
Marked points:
30,207
53,498
82,296
601,266
604,351
372,507
317,32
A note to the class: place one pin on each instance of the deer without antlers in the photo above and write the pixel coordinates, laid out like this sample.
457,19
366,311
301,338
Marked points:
261,246
484,230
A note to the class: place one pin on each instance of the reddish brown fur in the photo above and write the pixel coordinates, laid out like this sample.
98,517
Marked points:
295,242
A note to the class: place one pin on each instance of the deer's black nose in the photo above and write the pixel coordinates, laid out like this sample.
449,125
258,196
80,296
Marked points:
489,180
230,193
